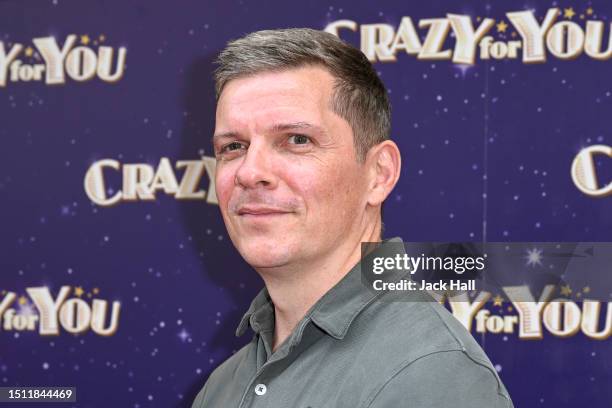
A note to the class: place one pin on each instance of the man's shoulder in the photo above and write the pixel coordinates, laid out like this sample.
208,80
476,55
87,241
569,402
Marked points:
413,329
441,379
406,340
223,374
423,336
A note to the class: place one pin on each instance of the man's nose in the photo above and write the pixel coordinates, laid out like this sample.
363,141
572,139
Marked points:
256,168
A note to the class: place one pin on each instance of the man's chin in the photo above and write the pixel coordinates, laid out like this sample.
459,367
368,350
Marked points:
266,255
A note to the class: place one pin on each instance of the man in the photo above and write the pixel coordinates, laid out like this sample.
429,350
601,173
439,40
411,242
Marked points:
304,164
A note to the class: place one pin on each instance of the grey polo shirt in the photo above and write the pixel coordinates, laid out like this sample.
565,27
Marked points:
357,348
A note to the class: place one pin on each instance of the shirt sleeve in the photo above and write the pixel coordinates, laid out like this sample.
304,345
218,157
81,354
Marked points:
443,379
198,402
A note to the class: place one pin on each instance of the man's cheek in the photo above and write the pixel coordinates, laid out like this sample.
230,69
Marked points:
224,183
321,185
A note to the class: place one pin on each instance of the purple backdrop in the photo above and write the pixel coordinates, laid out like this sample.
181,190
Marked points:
487,152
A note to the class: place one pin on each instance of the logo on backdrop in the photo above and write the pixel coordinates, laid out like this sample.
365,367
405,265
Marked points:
564,34
561,316
49,315
584,173
51,62
142,181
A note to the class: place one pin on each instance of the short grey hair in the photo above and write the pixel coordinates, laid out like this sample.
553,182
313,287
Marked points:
359,95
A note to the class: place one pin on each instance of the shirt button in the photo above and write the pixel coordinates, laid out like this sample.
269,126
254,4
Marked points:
260,389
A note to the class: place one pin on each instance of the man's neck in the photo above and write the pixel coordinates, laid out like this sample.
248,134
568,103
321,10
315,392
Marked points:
295,292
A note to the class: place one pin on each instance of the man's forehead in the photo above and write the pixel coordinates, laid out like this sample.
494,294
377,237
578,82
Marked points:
307,82
278,99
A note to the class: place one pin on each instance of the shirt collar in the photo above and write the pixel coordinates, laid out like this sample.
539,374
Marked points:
261,306
333,312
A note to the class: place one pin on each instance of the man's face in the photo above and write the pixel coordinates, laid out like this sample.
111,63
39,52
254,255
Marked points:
288,182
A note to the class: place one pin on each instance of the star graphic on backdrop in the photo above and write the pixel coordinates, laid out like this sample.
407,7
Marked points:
586,289
501,27
498,300
22,300
102,37
569,13
534,257
26,310
565,290
29,51
513,34
183,335
589,11
78,291
85,39
95,291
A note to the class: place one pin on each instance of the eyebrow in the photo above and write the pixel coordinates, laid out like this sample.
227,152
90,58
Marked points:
278,127
281,127
224,135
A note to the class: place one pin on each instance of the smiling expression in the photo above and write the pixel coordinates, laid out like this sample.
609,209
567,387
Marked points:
288,181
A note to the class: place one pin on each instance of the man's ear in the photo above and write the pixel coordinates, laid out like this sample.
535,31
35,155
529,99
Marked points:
384,165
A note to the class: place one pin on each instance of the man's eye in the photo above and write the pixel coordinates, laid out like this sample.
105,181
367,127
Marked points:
299,139
231,147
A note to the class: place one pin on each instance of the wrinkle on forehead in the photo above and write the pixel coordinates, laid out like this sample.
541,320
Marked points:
288,95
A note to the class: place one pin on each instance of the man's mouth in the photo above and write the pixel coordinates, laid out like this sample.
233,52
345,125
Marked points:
259,211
